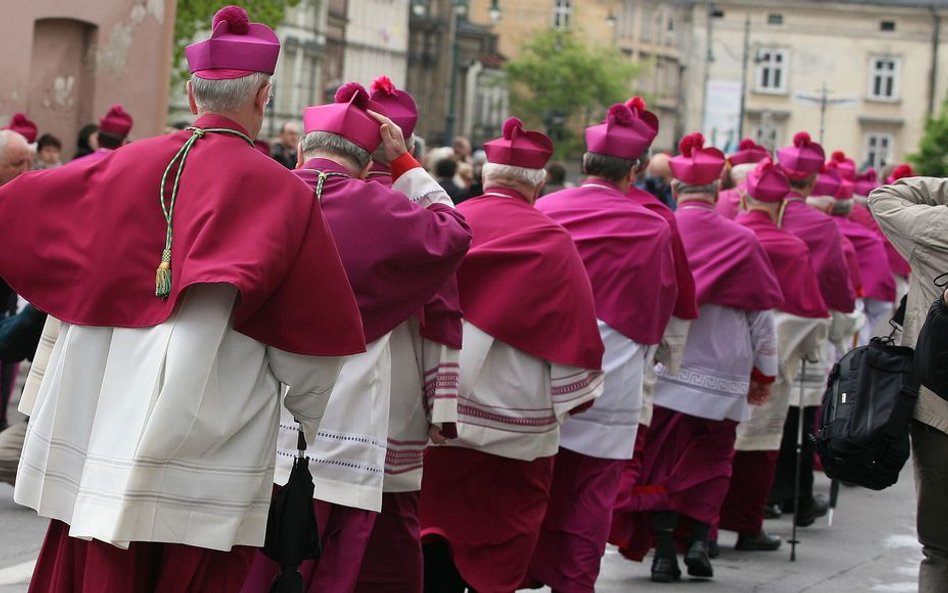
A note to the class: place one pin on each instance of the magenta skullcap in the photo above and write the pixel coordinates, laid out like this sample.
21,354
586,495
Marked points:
23,125
399,105
347,117
767,183
843,164
697,165
116,122
626,133
802,159
747,152
866,181
236,48
900,172
519,147
827,183
846,190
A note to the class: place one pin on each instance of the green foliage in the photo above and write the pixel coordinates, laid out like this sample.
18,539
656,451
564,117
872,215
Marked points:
195,15
560,84
932,156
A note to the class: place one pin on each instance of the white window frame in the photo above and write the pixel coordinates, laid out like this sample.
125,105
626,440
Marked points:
766,68
562,14
878,73
879,148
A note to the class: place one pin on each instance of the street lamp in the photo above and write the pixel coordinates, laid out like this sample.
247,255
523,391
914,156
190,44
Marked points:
494,11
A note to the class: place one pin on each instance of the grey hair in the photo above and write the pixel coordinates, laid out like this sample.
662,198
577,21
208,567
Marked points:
222,96
710,189
755,202
608,167
824,203
740,172
842,207
505,175
336,145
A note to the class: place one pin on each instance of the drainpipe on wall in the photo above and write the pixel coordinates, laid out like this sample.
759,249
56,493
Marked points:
933,77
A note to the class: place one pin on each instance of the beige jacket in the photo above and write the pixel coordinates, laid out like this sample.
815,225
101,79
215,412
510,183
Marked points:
913,214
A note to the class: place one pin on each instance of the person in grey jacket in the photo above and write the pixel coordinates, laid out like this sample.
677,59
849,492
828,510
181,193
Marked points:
913,213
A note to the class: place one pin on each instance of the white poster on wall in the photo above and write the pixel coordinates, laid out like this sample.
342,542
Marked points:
721,114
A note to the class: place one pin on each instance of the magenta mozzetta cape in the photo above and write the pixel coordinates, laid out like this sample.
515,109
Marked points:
791,262
440,318
686,306
523,282
396,253
729,200
877,280
627,253
821,235
83,241
729,265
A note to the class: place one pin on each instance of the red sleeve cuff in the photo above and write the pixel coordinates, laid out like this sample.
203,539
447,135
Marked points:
759,377
403,164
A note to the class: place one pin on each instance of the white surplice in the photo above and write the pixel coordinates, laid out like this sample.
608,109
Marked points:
724,345
511,403
165,433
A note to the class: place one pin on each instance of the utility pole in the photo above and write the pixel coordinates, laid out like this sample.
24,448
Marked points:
746,56
823,99
458,9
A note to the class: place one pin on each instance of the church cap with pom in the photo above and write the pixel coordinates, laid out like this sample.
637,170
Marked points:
697,165
866,181
767,183
347,117
236,48
900,172
626,133
23,125
828,183
399,105
846,189
748,152
802,159
116,122
843,164
519,147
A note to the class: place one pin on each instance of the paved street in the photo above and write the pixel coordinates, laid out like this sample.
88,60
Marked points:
870,548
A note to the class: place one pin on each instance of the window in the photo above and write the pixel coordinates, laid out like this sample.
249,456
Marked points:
772,70
884,79
774,19
887,26
562,11
767,135
879,149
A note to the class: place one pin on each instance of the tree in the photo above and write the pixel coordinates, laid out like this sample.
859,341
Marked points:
561,84
195,15
932,156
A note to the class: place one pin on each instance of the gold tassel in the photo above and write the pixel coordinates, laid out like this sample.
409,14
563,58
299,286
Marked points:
163,277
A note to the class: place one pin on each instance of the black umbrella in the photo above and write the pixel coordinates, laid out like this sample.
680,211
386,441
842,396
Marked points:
292,533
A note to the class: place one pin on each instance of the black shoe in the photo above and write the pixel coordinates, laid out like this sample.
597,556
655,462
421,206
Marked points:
714,550
698,562
772,511
665,570
761,542
812,509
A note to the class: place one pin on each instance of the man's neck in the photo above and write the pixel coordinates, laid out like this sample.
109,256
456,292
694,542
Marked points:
623,184
240,118
348,164
769,211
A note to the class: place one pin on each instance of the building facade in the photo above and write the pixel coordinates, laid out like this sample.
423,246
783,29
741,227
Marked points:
68,62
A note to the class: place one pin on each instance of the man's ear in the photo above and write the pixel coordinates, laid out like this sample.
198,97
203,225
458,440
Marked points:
262,98
299,155
364,173
192,103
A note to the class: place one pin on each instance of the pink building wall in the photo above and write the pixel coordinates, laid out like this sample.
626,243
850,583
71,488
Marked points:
66,62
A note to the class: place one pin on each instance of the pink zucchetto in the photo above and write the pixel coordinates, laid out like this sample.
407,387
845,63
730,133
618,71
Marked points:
866,181
827,183
399,105
116,122
697,165
900,172
23,125
236,48
802,159
347,117
767,183
626,133
846,190
748,151
519,147
843,164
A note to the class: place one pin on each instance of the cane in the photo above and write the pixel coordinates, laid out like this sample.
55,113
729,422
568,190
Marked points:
796,481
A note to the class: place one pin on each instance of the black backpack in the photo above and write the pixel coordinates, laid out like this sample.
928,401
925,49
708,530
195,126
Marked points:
863,437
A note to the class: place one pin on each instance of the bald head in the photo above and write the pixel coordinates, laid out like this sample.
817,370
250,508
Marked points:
15,155
658,166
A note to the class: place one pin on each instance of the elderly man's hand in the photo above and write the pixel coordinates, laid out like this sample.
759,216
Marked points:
392,137
434,433
759,393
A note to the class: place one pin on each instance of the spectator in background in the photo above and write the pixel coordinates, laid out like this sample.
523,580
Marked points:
444,172
476,187
48,152
657,180
284,151
462,149
88,141
555,178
